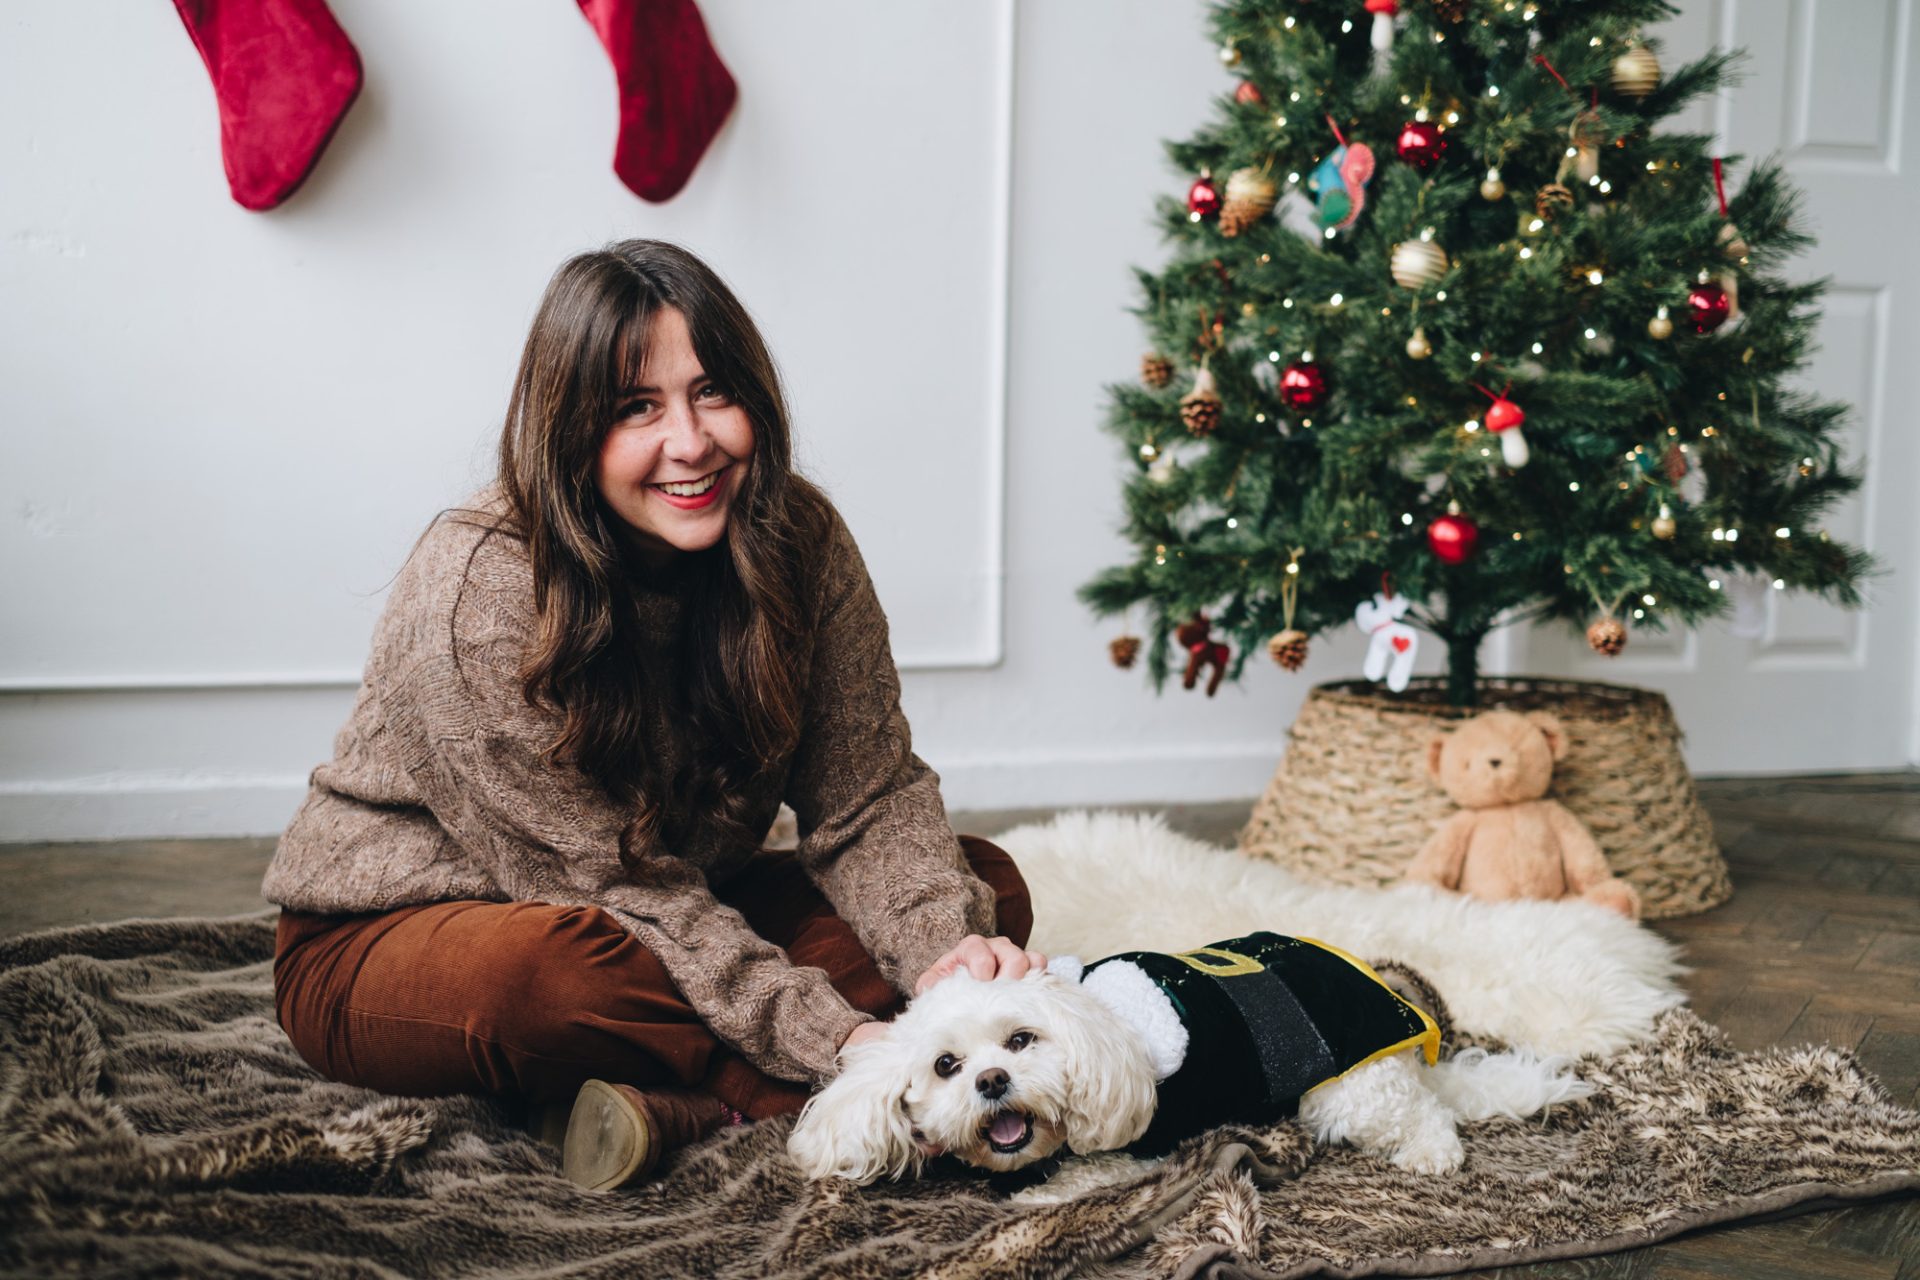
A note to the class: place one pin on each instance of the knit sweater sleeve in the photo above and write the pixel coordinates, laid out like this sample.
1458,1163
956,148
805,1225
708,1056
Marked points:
874,831
551,835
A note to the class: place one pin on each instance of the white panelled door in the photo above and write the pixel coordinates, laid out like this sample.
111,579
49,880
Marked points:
1826,88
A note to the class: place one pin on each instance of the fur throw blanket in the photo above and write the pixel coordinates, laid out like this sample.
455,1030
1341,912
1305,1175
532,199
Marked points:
155,1120
1557,977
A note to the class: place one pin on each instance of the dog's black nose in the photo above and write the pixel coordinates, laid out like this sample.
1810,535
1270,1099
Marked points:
1495,762
992,1082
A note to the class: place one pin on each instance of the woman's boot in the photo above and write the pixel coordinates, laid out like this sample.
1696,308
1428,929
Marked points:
618,1134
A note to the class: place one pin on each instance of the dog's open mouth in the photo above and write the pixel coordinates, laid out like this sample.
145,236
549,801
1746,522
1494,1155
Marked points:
1009,1131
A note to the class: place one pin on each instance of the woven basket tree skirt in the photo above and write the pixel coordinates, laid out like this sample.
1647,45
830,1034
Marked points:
1352,801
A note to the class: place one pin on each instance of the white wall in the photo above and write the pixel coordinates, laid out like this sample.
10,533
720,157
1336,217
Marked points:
222,430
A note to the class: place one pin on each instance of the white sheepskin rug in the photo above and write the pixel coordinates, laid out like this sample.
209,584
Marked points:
1555,977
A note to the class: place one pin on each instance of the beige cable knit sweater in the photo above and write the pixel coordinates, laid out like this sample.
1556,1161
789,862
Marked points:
437,791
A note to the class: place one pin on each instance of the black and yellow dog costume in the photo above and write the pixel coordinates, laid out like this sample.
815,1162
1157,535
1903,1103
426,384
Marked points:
1267,1018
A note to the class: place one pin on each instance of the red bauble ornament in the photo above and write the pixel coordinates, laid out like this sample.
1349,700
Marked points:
1452,538
1248,94
1504,415
1708,307
1203,198
1303,387
1420,144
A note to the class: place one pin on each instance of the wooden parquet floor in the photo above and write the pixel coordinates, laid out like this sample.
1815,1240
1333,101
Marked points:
1820,943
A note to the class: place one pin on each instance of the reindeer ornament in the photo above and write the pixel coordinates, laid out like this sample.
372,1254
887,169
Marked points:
1203,651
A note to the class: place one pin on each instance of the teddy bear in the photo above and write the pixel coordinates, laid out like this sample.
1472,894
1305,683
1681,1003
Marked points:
1508,840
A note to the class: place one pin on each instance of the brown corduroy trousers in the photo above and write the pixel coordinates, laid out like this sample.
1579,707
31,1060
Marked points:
530,1000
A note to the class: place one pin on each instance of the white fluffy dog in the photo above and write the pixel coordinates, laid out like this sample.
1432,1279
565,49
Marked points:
1002,1074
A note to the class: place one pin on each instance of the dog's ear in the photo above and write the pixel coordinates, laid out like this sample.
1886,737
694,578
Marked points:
857,1127
1110,1089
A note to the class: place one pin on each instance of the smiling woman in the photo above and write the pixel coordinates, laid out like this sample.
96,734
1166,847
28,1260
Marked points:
532,867
677,451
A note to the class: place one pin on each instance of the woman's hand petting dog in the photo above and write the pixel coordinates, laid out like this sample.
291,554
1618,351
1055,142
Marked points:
984,958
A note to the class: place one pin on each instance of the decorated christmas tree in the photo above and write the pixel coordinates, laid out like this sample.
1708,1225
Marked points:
1453,336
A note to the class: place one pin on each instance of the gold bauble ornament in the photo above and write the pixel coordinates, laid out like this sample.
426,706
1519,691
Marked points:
1200,407
1664,525
1491,187
1123,650
1660,327
1251,196
1417,262
1229,55
1418,347
1636,72
1607,636
1288,648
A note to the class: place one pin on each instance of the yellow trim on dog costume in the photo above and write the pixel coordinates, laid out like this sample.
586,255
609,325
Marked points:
1428,1040
1237,963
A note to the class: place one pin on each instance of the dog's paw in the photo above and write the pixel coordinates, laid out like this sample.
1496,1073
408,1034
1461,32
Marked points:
1438,1152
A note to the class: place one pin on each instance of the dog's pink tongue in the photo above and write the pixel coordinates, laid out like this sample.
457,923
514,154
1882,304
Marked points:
1008,1126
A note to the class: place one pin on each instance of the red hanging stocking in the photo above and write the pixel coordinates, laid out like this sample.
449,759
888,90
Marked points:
674,91
284,73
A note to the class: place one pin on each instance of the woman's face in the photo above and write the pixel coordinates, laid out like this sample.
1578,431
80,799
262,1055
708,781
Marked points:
674,460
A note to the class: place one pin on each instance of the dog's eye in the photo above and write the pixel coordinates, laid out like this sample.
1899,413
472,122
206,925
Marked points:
945,1065
1020,1040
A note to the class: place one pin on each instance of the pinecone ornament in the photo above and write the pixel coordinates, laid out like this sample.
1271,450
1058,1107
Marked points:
1607,637
1251,196
1552,200
1450,10
1200,407
1123,650
1155,370
1289,648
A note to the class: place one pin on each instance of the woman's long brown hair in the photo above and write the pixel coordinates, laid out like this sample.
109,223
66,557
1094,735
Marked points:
735,688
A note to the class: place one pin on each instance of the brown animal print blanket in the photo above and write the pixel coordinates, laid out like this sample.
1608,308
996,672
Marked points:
155,1120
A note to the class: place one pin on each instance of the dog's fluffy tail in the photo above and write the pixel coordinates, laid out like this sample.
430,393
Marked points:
1478,1085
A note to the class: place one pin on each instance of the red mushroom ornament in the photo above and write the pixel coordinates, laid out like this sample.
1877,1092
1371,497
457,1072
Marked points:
1504,418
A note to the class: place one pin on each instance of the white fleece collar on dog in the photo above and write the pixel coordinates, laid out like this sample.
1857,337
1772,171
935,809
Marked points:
1137,1001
